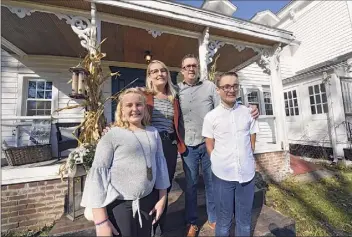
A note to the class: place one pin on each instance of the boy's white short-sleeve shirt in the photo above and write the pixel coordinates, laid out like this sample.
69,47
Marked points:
232,158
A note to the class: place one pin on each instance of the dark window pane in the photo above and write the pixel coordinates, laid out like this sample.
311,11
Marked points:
291,104
316,89
40,94
325,106
40,85
47,94
319,109
47,105
317,99
312,109
40,112
287,112
285,95
31,105
294,94
289,94
32,85
286,104
296,111
30,112
48,85
310,90
40,104
322,87
291,112
31,93
269,112
47,112
268,106
311,98
295,102
323,98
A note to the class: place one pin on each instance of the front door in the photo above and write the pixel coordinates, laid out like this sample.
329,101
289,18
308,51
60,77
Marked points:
127,76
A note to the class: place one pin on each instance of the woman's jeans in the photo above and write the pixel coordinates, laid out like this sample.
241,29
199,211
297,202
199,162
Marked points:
233,198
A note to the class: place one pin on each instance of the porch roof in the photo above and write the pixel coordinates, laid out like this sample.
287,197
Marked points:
125,24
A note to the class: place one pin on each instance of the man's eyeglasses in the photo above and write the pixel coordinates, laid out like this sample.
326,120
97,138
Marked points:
227,88
156,71
190,66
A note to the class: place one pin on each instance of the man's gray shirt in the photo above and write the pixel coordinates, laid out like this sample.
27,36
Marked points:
196,101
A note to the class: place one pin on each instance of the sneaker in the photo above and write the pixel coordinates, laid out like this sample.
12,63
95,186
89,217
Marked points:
191,230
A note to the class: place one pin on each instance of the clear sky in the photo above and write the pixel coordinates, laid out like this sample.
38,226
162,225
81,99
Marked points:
246,8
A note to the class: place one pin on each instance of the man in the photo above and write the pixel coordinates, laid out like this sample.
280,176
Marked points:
197,98
230,133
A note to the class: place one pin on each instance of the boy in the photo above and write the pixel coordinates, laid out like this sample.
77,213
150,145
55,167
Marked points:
230,133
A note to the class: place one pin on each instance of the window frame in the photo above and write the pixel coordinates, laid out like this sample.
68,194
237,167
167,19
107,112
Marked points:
39,99
314,96
247,91
293,106
23,83
266,89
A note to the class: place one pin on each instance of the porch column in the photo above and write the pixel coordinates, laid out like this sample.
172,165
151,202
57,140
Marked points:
336,116
278,98
203,51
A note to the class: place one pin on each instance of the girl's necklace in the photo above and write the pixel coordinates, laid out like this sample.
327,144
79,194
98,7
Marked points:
149,169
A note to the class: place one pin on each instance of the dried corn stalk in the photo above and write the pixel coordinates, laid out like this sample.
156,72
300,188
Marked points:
94,120
212,73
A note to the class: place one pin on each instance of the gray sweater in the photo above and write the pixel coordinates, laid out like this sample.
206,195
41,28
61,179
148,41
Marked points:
119,168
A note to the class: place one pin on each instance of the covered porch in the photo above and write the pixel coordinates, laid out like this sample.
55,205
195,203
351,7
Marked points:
47,39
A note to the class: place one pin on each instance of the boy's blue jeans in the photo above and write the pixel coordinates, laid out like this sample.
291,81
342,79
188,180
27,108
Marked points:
192,158
232,197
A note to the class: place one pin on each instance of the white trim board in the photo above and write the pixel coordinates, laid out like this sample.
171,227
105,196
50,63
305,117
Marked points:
202,17
12,47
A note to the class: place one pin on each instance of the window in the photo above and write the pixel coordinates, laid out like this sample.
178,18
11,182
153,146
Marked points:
317,98
268,103
253,98
39,97
291,103
240,97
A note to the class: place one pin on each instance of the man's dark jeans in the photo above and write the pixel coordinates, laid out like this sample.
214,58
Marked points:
192,158
232,197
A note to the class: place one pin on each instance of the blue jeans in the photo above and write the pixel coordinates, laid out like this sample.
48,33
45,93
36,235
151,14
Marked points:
232,197
192,158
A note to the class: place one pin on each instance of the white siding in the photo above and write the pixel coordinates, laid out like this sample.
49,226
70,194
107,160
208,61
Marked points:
252,77
325,32
9,72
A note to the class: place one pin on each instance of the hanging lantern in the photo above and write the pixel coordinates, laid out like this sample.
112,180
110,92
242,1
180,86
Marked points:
79,76
76,181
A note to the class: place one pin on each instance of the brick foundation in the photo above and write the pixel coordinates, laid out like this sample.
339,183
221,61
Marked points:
30,206
273,165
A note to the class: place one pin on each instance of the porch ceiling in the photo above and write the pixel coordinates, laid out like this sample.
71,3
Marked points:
45,34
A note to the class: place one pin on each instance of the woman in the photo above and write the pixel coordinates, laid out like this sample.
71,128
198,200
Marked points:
165,113
126,185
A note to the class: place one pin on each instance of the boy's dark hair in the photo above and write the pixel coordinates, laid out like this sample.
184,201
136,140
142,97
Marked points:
219,77
191,55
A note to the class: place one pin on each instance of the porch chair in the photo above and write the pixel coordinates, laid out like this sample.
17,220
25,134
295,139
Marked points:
67,141
38,148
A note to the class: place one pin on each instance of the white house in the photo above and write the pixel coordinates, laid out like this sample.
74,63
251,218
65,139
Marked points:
41,40
316,75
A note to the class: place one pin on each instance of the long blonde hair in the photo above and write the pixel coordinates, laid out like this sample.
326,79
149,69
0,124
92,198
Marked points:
119,120
170,90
